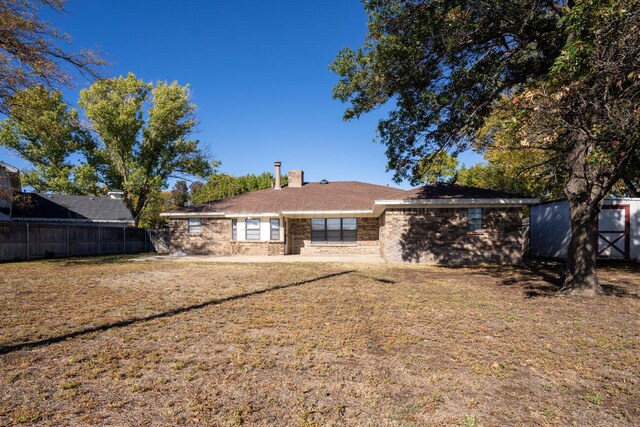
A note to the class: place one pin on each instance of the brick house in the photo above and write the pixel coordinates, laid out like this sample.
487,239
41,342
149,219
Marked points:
438,224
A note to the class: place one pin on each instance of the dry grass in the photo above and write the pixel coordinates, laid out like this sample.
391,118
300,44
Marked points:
377,345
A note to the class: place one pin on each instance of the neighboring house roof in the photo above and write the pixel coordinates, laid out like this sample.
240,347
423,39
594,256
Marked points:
13,174
8,167
333,196
344,197
453,191
58,207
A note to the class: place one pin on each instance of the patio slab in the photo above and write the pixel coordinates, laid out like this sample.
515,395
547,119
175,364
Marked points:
363,259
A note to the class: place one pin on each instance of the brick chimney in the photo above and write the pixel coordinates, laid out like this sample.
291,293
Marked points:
296,178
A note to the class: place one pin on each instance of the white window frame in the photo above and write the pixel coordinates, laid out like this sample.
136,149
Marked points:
194,225
474,220
252,229
234,229
275,229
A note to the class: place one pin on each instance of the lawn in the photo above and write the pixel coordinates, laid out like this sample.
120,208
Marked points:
114,342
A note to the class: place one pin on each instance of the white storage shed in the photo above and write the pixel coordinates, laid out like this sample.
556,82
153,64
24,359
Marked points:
618,229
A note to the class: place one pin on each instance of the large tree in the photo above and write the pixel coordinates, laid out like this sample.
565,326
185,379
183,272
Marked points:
556,76
44,131
31,52
139,138
143,136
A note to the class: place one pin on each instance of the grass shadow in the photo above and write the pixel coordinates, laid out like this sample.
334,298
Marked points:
124,323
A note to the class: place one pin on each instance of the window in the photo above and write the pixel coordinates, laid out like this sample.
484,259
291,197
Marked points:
252,229
234,229
195,225
349,228
275,229
318,230
474,219
333,230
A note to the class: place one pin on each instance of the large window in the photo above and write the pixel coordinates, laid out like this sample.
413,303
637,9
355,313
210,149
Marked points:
333,230
252,229
275,229
234,229
474,219
195,225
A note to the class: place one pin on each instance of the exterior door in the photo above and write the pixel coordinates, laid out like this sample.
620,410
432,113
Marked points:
613,232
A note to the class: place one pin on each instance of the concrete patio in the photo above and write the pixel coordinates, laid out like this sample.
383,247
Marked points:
362,259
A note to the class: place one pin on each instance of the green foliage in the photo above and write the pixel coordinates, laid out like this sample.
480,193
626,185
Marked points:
46,133
444,63
140,139
162,201
158,202
180,194
439,167
221,185
451,66
511,172
138,152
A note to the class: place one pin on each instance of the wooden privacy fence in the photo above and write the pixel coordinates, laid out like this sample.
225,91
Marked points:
24,241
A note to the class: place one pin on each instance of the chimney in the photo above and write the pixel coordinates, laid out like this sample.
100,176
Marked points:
278,174
296,178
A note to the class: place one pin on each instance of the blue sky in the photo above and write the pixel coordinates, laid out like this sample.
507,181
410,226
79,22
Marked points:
258,72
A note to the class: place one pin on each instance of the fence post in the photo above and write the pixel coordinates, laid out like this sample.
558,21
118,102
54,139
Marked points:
27,245
124,240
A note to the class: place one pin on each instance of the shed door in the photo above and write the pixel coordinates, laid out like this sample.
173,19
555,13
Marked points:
613,232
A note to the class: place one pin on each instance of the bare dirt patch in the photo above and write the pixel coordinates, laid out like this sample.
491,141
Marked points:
109,342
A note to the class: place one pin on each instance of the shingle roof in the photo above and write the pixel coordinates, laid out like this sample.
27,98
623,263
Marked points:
71,207
339,195
452,191
334,196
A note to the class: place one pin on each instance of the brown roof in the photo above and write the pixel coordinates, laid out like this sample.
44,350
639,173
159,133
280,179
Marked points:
452,191
339,195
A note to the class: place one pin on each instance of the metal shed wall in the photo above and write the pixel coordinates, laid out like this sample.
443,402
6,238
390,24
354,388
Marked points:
550,230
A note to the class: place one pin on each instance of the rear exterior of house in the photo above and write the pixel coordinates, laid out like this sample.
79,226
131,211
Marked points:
441,224
618,229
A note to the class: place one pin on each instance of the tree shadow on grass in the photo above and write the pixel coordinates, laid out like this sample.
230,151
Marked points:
544,278
124,323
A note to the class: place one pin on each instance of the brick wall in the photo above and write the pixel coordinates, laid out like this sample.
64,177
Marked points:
299,239
215,239
257,248
440,236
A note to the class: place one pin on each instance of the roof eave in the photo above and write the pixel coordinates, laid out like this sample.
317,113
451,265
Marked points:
74,220
192,214
459,202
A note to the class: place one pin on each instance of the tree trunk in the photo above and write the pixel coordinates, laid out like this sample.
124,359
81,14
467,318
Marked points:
585,191
581,278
